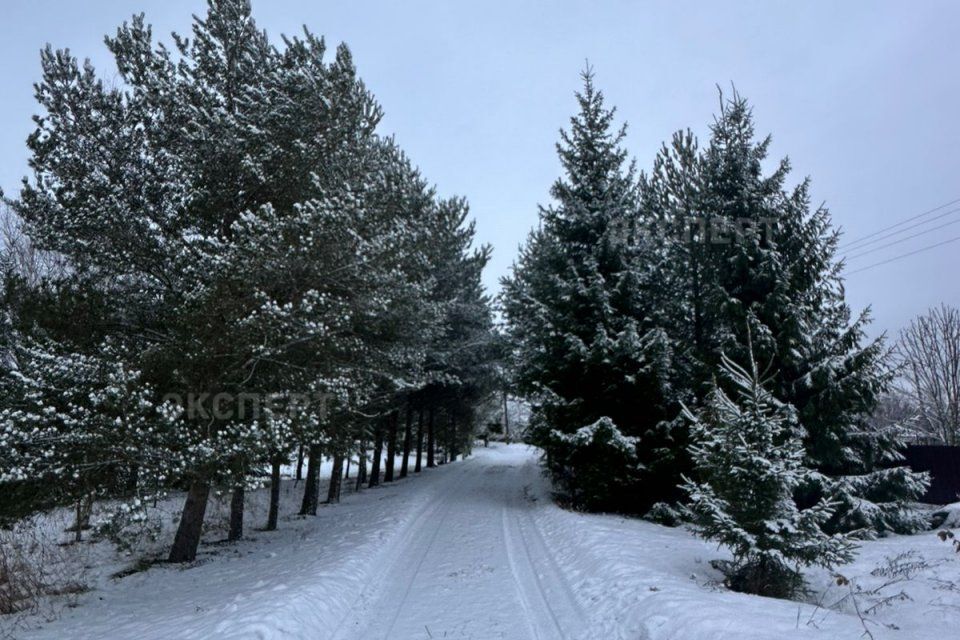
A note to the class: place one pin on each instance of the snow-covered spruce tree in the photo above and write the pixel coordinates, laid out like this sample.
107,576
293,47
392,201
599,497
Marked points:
580,325
748,454
740,250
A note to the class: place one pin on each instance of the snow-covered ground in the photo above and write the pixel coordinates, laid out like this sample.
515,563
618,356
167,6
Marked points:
477,549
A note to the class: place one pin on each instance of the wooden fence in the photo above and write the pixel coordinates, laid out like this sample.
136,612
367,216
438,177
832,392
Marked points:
943,463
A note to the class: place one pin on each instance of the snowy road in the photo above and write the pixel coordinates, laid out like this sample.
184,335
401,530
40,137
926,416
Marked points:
453,552
477,549
472,564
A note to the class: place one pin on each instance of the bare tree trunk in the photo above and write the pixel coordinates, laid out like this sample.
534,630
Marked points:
444,443
83,509
362,465
391,445
454,440
506,420
416,468
431,441
236,512
346,475
187,540
336,479
377,453
274,513
237,497
133,480
407,437
299,476
311,490
78,525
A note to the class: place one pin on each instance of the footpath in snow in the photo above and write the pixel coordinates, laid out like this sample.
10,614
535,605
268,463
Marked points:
476,549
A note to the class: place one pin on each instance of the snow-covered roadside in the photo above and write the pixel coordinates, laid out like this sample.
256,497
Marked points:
292,583
642,580
479,549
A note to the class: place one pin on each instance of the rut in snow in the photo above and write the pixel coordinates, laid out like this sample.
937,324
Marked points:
472,565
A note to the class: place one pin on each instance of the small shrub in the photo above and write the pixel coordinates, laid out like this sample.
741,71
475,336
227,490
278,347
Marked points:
129,525
33,565
21,583
595,468
762,576
665,514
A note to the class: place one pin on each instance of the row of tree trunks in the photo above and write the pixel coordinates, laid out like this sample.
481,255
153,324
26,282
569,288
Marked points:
187,539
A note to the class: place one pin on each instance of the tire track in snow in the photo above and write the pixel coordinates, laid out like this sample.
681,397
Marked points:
546,594
414,571
603,627
375,583
471,564
544,551
528,607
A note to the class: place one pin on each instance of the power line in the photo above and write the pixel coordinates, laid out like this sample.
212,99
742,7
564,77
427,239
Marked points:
901,223
903,255
910,237
893,234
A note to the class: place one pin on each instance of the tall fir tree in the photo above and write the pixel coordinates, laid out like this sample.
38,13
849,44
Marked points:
579,324
743,253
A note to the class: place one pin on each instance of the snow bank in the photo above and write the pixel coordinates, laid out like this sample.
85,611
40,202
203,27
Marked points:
291,583
499,530
646,581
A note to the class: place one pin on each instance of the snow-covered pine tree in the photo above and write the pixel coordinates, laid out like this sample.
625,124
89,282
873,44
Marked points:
70,393
253,232
749,457
77,427
459,370
579,323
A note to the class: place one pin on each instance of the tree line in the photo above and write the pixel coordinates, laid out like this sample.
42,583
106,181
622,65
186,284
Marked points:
683,335
237,267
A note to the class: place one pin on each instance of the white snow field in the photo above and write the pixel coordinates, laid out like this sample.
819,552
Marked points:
477,549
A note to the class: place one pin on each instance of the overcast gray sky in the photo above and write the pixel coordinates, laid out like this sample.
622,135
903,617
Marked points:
863,97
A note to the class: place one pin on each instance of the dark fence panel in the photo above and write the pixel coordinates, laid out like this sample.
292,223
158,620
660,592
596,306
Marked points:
943,463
